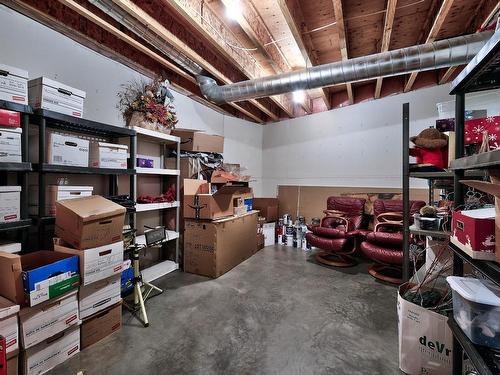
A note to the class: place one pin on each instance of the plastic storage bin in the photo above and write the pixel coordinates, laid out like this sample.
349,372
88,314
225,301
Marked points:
476,309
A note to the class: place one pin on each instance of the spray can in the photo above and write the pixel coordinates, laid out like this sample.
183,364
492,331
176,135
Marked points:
279,231
296,234
288,234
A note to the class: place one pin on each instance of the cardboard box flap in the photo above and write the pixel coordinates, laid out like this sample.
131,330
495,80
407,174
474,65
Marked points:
58,86
112,145
92,208
193,187
486,187
14,71
7,308
54,303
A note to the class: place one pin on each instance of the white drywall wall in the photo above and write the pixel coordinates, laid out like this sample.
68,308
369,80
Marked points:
357,145
44,52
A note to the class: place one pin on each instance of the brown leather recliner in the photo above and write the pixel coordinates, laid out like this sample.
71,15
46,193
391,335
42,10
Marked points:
385,244
336,235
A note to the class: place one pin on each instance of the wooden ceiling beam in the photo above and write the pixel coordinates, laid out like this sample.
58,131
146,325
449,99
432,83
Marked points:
209,25
386,38
339,19
433,33
255,28
449,72
84,12
292,11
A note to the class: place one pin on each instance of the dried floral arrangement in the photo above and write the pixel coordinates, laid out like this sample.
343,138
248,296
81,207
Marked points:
148,105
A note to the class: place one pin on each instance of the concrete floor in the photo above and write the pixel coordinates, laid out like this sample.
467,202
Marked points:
276,313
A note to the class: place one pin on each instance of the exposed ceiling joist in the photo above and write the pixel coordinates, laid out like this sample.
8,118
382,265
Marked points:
449,72
164,33
292,12
214,30
339,19
84,12
433,33
255,28
386,38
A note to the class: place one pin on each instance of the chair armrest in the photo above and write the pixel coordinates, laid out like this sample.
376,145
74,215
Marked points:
336,213
394,224
329,232
390,217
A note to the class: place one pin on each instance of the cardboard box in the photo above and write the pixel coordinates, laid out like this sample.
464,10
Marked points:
189,167
99,296
260,241
269,231
267,207
63,149
474,232
54,96
13,365
425,340
56,193
108,155
200,204
9,327
13,84
213,248
492,188
41,322
96,263
195,140
89,222
52,352
101,325
10,203
10,145
38,276
11,119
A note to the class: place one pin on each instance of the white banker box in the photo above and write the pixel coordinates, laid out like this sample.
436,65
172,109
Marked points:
8,324
10,145
13,84
52,352
56,193
96,263
108,155
43,321
10,203
54,96
99,295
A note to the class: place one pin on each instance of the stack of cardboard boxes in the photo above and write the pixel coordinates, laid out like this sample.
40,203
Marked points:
41,305
268,211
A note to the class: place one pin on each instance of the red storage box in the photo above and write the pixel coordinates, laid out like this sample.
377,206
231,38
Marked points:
474,232
10,118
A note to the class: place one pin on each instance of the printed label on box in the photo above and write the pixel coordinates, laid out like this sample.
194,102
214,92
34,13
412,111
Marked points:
53,287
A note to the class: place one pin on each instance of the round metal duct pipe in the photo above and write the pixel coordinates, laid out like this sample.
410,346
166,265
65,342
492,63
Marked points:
440,54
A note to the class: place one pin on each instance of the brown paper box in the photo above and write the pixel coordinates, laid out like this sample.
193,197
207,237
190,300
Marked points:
268,208
89,222
194,140
11,278
213,248
101,325
13,366
492,188
200,204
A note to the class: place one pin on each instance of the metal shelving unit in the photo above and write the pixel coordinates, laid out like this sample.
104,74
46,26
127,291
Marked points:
52,120
167,142
482,73
21,170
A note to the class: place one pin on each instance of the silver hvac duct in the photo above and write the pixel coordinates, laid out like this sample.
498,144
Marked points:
441,54
124,18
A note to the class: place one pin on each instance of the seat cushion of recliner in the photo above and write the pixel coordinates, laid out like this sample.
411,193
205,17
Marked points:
327,244
329,232
382,254
393,240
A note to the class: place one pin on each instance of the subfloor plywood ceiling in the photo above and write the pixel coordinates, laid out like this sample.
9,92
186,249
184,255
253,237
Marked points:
237,40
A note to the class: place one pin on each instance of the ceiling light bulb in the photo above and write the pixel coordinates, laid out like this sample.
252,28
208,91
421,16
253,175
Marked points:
233,9
299,96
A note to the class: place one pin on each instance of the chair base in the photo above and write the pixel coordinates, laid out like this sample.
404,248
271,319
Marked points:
335,259
387,273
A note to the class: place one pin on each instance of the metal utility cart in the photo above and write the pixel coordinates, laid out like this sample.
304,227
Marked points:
482,73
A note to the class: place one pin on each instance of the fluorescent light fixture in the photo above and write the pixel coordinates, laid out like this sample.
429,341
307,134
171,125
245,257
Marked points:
299,96
233,9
